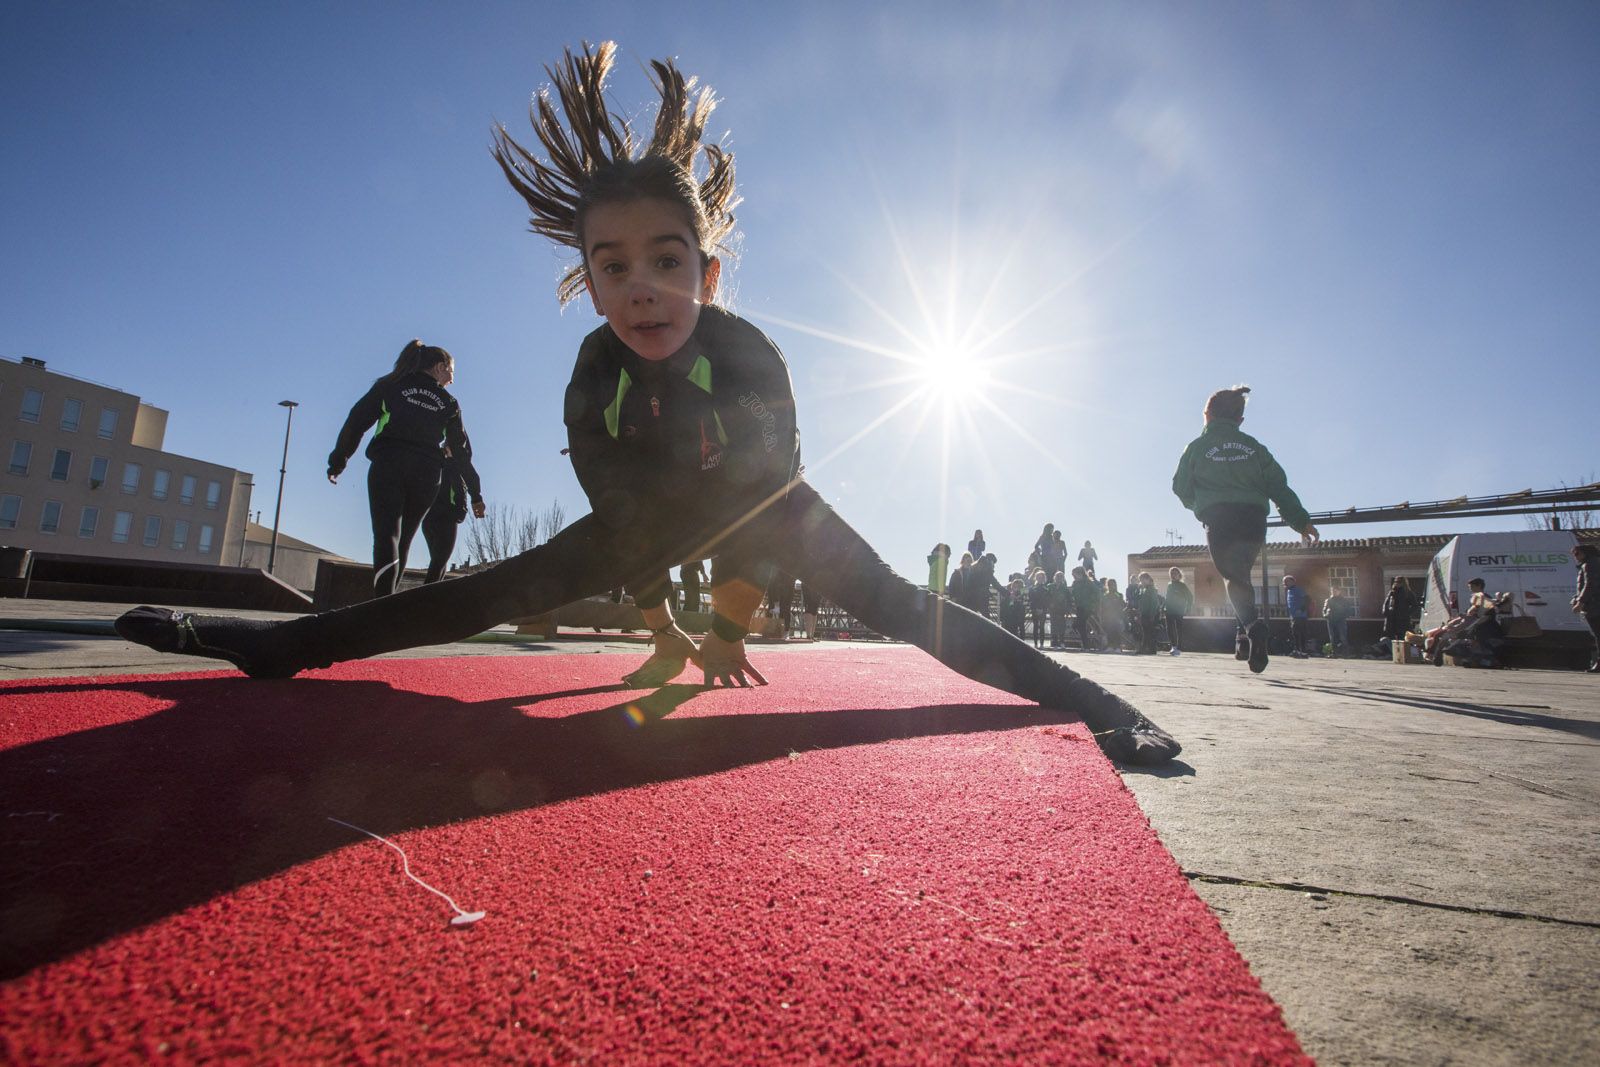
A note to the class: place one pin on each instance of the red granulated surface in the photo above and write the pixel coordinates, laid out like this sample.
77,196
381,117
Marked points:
870,859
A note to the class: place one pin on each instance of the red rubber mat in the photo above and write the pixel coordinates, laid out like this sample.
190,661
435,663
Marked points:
872,858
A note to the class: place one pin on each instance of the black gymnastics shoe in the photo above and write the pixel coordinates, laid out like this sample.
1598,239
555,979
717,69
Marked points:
238,641
1120,729
1258,637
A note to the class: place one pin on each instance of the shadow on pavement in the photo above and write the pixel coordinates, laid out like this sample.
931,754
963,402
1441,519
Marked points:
1494,713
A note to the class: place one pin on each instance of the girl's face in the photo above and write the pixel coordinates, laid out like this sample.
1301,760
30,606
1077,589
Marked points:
644,274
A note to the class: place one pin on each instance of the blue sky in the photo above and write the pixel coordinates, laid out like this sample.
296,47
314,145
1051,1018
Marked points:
1381,216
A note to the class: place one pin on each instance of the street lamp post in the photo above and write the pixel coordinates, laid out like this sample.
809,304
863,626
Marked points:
277,513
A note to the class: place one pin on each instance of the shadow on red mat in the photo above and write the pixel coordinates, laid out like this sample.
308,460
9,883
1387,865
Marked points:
221,781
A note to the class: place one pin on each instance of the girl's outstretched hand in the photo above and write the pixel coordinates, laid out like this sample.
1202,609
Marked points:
673,649
725,662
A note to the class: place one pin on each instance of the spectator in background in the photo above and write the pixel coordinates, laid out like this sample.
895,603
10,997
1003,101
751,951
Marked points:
1085,604
1337,609
938,568
1298,604
691,574
1398,608
1041,547
1112,611
1086,557
1038,604
1014,607
956,589
1180,599
1053,554
1148,609
983,581
1586,601
1060,600
977,546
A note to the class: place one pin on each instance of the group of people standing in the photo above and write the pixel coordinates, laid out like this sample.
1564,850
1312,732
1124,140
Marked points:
1046,596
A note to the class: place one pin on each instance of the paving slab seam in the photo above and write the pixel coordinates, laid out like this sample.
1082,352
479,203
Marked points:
1514,780
1302,887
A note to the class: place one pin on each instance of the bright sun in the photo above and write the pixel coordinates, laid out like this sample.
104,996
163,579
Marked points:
947,374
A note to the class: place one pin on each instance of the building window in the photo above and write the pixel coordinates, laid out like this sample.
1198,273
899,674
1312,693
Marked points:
152,531
10,509
213,495
108,423
21,457
1343,580
32,404
207,532
180,535
122,527
186,490
89,522
99,468
130,478
50,517
71,414
61,466
158,487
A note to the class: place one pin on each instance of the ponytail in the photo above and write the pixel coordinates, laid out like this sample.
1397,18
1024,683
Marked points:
1228,403
414,357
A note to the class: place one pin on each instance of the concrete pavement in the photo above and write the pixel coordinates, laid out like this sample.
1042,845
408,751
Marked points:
1408,856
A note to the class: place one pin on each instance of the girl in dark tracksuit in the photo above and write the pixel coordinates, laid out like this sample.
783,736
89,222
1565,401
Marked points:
1226,478
681,427
458,483
415,416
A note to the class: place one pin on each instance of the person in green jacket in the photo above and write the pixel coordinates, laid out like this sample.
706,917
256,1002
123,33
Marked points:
1085,603
1226,477
1180,599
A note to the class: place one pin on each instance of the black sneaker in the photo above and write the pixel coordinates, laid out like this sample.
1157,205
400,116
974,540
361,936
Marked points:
1256,641
226,638
1241,646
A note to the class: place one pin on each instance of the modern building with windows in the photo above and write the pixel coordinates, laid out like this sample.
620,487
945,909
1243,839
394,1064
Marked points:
85,474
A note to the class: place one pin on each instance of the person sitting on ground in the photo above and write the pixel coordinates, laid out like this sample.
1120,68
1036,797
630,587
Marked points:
683,433
1180,600
1460,632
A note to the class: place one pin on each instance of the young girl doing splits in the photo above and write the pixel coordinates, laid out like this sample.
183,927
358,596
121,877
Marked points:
681,425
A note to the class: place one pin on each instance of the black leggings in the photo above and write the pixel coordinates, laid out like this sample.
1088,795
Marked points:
439,528
400,488
800,534
1235,534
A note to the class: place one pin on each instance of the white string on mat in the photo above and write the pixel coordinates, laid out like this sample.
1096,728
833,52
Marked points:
462,917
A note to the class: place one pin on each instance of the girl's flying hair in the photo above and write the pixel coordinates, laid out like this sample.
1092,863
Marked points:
1228,403
593,160
413,357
